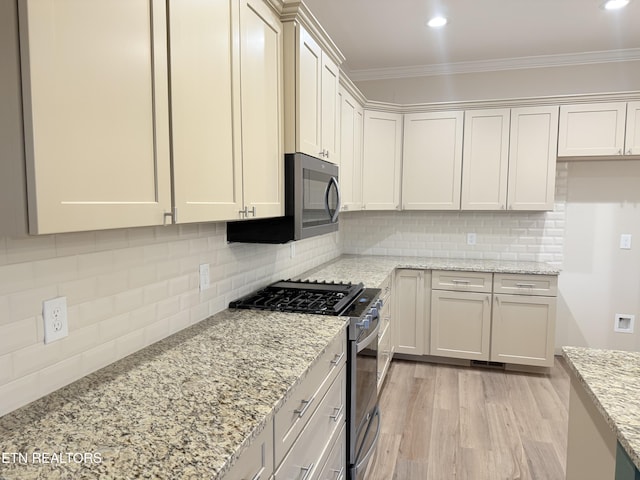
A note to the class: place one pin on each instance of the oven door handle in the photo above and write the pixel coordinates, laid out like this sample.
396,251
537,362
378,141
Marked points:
333,216
367,340
372,448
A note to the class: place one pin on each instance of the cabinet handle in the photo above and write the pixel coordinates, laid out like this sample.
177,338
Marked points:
252,211
620,152
327,153
258,475
461,282
339,473
305,406
321,153
525,285
337,414
307,470
629,152
336,359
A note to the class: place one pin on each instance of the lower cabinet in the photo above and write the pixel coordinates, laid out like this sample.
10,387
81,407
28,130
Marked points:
412,308
386,345
460,324
257,460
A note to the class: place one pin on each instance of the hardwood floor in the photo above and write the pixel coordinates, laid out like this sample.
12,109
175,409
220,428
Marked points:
442,422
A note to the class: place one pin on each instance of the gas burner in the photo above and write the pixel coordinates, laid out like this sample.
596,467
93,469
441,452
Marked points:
302,296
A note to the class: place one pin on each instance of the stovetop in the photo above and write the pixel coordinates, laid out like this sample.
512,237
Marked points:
324,298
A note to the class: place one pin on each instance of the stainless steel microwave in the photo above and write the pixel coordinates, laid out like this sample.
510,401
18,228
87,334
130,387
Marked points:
312,203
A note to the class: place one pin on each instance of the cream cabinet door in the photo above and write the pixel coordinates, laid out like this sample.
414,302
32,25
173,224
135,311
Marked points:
432,161
381,160
532,158
350,152
523,329
412,308
632,137
591,129
95,113
485,159
261,87
330,108
207,161
460,324
309,71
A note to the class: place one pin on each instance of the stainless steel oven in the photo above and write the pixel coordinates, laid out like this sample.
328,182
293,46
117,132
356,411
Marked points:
363,413
312,205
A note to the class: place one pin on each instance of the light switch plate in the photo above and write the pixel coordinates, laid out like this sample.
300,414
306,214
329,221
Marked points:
625,241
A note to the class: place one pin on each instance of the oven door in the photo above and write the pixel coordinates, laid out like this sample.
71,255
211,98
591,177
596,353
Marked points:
365,415
317,196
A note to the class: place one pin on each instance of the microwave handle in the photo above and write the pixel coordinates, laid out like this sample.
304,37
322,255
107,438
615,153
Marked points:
334,216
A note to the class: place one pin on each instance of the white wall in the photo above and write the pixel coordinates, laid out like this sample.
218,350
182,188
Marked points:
599,279
506,84
125,289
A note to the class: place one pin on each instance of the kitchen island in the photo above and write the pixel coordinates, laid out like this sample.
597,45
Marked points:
604,414
185,407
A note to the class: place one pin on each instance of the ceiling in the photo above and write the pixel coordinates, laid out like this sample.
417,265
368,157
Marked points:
389,38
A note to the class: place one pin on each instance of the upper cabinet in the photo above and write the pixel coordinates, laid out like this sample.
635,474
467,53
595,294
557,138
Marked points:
509,159
600,129
486,159
312,102
96,121
432,161
351,128
226,128
382,157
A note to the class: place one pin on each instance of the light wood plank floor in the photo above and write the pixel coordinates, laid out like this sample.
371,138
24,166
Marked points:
443,422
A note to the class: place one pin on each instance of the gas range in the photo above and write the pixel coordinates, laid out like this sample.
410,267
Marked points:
303,296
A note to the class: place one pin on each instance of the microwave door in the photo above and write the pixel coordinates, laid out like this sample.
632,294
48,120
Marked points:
332,186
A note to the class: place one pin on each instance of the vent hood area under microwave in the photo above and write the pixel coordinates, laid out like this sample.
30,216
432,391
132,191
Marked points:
311,200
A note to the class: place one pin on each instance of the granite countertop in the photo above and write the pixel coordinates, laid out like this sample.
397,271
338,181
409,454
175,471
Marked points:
612,380
371,270
185,407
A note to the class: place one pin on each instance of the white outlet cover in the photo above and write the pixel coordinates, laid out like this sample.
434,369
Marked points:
624,323
205,281
471,238
625,241
54,313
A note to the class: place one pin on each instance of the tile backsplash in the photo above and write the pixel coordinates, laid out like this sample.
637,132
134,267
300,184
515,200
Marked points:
531,236
125,289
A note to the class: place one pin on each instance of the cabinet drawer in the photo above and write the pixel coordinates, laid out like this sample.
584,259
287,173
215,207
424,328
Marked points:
461,281
335,467
518,284
304,399
385,286
305,459
257,460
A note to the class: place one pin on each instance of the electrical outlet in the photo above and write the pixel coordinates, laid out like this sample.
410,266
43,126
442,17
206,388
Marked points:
624,323
54,313
625,241
205,281
471,238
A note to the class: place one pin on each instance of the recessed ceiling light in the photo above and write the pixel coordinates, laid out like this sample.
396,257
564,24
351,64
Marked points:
438,22
615,4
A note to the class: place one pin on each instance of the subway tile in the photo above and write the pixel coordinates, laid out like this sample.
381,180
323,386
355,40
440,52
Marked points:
56,270
75,243
156,331
28,303
98,357
125,258
167,307
144,316
36,357
19,392
141,236
16,277
112,283
130,343
6,369
4,310
178,285
30,248
17,335
143,275
80,340
168,269
114,327
94,311
60,374
97,263
111,239
79,291
155,292
179,321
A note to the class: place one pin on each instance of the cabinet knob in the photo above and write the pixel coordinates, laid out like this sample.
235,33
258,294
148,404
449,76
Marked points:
620,152
629,152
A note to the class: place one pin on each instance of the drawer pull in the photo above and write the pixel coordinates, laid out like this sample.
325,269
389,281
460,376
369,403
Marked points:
305,406
460,282
258,475
307,471
339,474
525,285
337,358
336,415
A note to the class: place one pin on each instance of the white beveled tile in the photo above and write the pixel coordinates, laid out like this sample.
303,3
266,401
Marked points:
75,243
29,248
28,303
4,310
113,283
144,316
56,270
155,292
6,368
167,307
79,291
80,340
143,275
168,269
98,357
112,239
19,392
93,311
179,322
115,327
130,343
199,312
179,285
36,357
17,335
60,374
156,331
96,263
141,236
16,277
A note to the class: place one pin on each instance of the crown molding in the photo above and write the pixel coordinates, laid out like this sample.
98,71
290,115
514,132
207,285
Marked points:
539,61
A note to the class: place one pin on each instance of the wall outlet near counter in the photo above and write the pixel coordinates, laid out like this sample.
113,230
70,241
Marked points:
54,313
625,241
205,281
471,238
624,323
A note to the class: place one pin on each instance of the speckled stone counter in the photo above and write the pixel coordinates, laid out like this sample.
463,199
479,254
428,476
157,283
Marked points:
612,379
371,270
185,407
